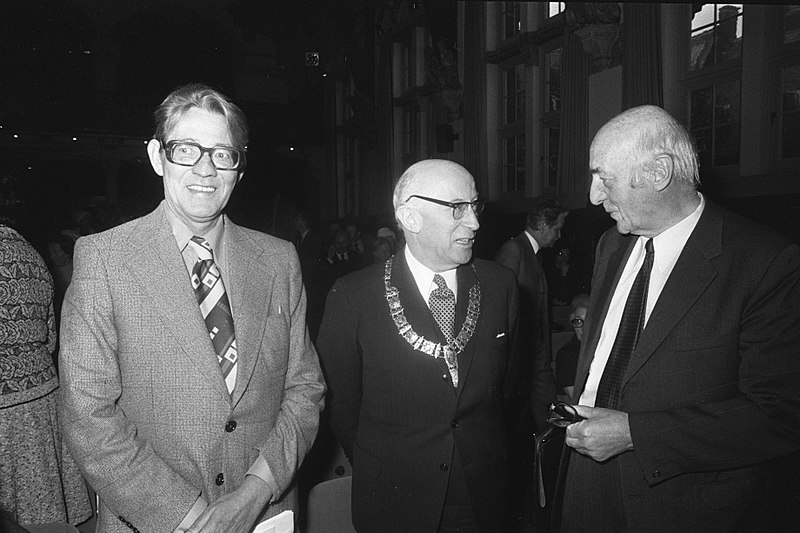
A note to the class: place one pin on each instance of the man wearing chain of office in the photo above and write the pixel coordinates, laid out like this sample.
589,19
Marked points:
415,352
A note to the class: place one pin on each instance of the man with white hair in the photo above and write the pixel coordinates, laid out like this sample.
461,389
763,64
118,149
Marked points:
415,353
689,374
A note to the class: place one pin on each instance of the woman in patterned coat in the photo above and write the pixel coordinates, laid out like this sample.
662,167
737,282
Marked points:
39,482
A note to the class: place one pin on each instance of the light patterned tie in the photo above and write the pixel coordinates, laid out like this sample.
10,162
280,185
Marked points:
215,308
443,307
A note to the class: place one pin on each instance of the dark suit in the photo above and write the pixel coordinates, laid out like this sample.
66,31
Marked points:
412,438
533,369
712,389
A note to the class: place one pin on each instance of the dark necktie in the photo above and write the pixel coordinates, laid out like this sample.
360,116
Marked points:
215,308
443,307
630,326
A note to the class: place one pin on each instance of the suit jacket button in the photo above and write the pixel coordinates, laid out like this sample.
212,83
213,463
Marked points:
220,479
443,467
230,425
444,377
454,424
656,473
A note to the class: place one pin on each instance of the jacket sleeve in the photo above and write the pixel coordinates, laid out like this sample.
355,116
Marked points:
760,420
298,419
134,482
341,362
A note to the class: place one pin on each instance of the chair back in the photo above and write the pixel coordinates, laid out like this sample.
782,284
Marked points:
329,507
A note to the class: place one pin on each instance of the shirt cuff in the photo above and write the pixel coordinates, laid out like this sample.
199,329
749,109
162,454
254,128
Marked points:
261,470
199,506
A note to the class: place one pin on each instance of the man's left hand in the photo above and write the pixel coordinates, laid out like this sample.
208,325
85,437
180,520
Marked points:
604,434
235,512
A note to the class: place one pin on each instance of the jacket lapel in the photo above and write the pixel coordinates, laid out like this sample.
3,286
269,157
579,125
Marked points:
154,260
416,308
692,274
417,312
466,279
252,274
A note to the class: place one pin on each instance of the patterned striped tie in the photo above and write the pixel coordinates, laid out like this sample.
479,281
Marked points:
215,308
442,302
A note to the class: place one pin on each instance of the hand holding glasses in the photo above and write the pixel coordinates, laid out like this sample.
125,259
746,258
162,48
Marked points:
563,414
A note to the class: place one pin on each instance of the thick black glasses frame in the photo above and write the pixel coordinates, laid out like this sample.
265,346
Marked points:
167,146
476,205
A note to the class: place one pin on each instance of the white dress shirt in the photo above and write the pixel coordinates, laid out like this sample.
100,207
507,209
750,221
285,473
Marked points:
667,247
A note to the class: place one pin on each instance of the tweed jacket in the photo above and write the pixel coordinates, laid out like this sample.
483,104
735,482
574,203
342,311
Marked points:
144,406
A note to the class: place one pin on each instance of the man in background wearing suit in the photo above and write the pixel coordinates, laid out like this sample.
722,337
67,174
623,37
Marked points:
689,374
191,389
520,254
415,352
533,388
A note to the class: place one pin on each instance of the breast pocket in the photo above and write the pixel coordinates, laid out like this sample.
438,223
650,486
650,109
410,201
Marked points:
275,347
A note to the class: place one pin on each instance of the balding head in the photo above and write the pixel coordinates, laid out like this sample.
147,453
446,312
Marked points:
418,178
644,171
434,235
647,132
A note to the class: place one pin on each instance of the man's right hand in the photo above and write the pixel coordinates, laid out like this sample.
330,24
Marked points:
236,512
604,434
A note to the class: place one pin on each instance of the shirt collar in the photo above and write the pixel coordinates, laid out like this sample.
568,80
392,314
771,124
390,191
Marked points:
423,276
535,244
669,244
183,234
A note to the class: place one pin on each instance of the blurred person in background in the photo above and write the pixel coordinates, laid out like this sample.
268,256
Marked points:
60,248
381,250
389,235
567,356
39,481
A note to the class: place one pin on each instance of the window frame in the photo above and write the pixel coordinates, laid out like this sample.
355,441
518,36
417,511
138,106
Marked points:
517,15
551,118
786,55
712,76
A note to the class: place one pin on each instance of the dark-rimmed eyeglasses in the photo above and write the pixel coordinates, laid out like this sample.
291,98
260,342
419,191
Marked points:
187,154
563,414
576,322
459,208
